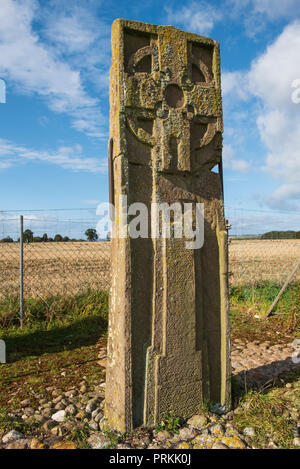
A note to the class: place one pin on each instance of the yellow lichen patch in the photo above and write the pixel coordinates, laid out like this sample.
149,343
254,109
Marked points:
183,445
166,124
37,444
64,445
233,442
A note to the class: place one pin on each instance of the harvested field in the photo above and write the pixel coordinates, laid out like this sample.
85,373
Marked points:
255,261
55,268
58,268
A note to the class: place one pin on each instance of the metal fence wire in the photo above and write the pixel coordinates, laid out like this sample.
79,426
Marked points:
252,261
51,268
71,267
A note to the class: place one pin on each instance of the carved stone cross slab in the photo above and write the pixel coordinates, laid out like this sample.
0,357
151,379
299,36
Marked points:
168,345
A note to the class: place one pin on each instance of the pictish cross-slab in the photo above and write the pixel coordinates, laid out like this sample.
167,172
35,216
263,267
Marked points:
168,345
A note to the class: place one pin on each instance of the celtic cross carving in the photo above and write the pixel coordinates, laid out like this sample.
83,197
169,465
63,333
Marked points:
174,107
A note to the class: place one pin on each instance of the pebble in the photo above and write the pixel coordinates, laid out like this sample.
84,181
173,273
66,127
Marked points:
297,441
64,445
202,431
94,425
37,444
249,431
92,405
59,416
219,445
25,403
217,429
186,433
197,421
98,441
12,436
184,445
162,435
123,446
19,444
70,409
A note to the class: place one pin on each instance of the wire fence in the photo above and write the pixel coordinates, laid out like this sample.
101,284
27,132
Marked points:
252,262
74,264
46,267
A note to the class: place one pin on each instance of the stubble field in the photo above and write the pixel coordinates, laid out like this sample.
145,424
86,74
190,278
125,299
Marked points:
58,268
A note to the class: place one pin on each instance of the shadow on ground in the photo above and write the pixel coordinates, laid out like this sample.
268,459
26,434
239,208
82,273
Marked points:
80,333
264,377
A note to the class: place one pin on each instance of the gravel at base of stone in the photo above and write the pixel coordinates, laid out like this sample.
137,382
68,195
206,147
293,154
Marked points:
55,420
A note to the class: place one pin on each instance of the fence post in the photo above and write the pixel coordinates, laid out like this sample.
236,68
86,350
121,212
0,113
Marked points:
21,271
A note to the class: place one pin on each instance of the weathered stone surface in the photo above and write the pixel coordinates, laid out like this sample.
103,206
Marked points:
186,433
219,446
64,445
59,416
98,441
37,444
18,444
197,421
168,346
12,436
161,436
249,431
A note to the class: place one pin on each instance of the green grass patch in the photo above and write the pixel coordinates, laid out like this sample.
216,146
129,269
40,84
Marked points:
272,413
52,308
11,423
64,323
249,304
170,422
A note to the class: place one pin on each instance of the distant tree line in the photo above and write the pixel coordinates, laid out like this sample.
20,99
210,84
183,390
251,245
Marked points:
281,235
28,237
91,235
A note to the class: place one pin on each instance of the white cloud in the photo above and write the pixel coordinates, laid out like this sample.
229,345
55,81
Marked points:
80,35
198,17
71,31
235,83
257,14
278,120
266,89
241,165
231,162
66,157
274,9
34,67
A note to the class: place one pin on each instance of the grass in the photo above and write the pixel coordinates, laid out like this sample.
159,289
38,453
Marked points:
66,323
59,344
80,435
114,438
8,423
52,308
249,304
170,423
272,413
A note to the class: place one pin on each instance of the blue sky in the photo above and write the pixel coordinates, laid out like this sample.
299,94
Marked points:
55,58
